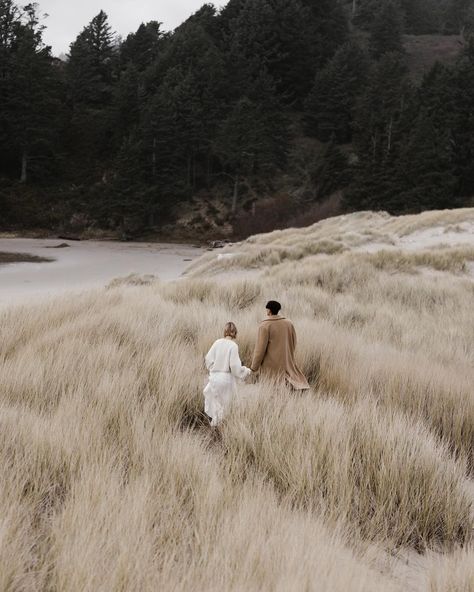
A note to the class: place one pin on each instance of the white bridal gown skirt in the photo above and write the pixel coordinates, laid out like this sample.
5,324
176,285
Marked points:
218,395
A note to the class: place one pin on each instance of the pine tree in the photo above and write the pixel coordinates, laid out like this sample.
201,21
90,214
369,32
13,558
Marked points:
127,102
458,17
424,173
462,120
9,24
91,76
131,201
422,17
330,106
252,140
383,116
328,28
333,173
143,47
194,88
364,12
273,35
386,30
29,108
381,108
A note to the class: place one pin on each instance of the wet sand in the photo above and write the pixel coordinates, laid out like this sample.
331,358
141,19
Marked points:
84,265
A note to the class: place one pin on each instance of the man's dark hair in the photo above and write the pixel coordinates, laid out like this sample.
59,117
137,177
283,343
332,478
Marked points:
273,306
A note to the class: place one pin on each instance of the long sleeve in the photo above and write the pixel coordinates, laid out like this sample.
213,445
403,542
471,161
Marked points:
293,337
260,347
236,367
210,357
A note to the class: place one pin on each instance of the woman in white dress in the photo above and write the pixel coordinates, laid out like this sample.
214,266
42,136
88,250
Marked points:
225,367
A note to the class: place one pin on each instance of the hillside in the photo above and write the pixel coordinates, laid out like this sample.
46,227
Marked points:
243,119
424,51
114,481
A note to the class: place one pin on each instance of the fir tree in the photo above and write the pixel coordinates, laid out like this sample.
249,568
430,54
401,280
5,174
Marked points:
381,108
424,173
91,76
383,116
458,17
29,108
333,173
273,35
422,17
462,120
252,140
330,106
328,28
386,30
143,47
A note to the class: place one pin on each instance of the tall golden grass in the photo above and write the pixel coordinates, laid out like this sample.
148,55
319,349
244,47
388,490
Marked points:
112,479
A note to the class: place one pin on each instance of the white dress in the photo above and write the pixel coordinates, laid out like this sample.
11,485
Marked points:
224,365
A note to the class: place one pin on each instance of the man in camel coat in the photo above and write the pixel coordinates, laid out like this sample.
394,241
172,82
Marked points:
274,352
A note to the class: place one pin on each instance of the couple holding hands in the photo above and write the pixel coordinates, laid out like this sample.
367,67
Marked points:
274,356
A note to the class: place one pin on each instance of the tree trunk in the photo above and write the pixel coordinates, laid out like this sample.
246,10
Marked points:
389,139
374,146
208,170
24,167
188,174
154,158
354,6
235,194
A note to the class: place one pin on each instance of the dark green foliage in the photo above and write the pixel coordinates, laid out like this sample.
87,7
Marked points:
333,173
253,140
386,30
419,17
91,76
424,177
461,120
383,116
29,106
264,36
330,106
143,47
124,131
422,17
458,17
379,116
328,28
253,136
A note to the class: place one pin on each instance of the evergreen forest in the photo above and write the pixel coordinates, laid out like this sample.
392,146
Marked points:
281,111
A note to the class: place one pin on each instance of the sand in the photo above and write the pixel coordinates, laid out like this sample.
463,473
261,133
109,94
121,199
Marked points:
85,265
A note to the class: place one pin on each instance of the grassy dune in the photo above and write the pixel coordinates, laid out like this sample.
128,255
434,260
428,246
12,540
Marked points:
113,480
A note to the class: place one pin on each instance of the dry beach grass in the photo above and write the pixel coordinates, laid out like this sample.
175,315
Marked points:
113,481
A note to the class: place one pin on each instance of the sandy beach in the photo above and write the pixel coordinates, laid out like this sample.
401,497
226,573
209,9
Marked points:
84,265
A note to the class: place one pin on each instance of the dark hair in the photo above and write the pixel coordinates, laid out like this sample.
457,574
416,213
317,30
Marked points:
273,306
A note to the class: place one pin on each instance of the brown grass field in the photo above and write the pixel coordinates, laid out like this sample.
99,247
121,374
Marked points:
113,481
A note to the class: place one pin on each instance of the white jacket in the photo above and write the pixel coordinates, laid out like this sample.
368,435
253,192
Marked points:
224,357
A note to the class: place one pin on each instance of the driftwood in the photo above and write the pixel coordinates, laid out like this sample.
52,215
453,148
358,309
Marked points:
60,246
219,244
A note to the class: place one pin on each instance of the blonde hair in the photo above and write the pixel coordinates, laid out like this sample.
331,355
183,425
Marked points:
230,330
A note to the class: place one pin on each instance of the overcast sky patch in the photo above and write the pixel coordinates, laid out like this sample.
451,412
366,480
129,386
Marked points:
67,18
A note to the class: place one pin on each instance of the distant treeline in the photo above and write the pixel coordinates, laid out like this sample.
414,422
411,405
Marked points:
125,129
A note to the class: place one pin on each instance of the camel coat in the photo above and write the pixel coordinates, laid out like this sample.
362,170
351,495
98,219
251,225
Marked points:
274,352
